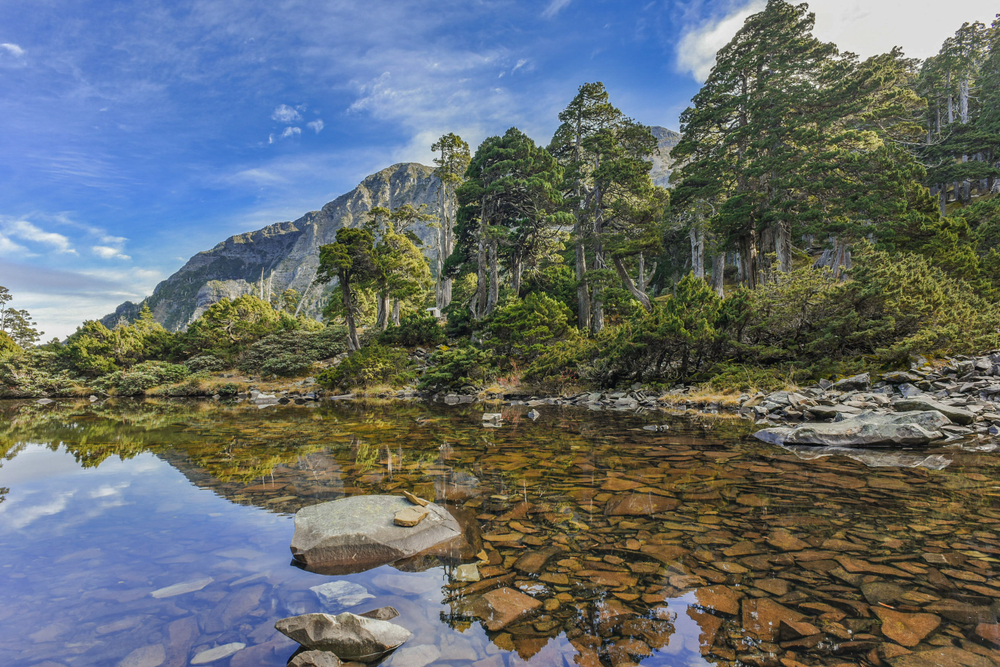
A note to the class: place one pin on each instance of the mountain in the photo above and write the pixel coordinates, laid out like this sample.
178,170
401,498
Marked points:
286,254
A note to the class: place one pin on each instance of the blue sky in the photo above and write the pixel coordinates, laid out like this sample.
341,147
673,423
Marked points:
136,134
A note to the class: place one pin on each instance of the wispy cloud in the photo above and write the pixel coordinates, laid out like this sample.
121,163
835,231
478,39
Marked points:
10,249
291,132
107,252
554,8
316,125
26,231
286,114
12,49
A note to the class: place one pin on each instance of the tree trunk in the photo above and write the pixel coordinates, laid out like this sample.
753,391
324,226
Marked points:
597,305
719,273
449,247
482,291
353,344
494,296
748,260
439,265
783,246
582,289
639,295
395,312
697,252
382,319
943,199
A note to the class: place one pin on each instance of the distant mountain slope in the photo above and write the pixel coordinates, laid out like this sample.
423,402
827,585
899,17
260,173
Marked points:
286,254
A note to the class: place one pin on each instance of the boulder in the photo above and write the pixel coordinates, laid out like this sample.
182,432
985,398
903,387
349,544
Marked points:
358,533
314,659
865,429
861,382
923,403
349,636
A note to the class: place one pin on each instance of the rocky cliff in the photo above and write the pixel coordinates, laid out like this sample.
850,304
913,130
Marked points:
286,254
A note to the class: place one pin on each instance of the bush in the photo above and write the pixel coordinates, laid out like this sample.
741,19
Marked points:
522,329
419,330
205,363
33,373
142,377
454,368
562,365
291,353
370,366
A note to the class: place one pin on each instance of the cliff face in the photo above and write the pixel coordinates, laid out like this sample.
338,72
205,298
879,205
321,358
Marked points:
286,254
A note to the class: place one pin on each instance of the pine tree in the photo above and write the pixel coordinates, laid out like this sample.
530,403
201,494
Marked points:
451,166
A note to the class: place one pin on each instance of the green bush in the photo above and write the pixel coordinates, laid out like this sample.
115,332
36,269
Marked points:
454,368
417,330
370,366
562,365
7,345
291,353
205,363
142,377
522,329
35,372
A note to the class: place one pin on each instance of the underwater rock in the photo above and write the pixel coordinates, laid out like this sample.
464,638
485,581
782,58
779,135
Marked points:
335,595
503,606
349,636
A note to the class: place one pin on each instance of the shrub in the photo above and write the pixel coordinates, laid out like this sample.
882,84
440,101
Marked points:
205,363
562,365
454,368
370,366
35,372
291,353
419,330
522,329
142,377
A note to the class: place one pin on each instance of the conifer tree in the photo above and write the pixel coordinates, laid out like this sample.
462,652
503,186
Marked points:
451,166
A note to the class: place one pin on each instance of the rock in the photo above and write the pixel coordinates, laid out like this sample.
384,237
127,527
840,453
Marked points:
899,377
182,588
626,403
906,629
989,633
866,429
785,541
315,659
719,598
639,504
950,656
833,411
146,656
908,390
410,516
415,656
791,630
861,382
492,416
44,401
336,595
358,533
350,636
763,618
414,499
882,592
503,606
468,572
534,414
533,561
217,653
381,614
922,403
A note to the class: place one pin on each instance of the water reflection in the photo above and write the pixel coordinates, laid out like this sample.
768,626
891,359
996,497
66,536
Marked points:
150,533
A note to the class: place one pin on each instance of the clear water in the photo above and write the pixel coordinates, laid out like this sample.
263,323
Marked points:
103,506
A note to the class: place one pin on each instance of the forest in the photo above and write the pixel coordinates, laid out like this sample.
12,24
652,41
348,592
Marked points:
826,215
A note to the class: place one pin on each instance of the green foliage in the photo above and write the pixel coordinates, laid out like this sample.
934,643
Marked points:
457,367
17,325
291,353
95,350
205,363
142,377
522,329
229,326
416,330
7,345
371,366
731,377
35,372
564,364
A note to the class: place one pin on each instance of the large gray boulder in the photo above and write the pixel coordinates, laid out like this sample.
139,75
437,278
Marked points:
358,533
349,636
924,403
868,429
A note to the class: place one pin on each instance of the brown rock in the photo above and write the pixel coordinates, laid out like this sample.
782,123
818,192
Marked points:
763,617
785,541
639,504
989,633
710,626
789,630
949,656
410,516
503,606
414,499
906,629
665,553
719,598
776,587
619,484
533,561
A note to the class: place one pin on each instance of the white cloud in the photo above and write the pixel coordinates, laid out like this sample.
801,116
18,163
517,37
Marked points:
10,249
26,231
13,49
107,252
554,8
291,132
865,27
316,125
285,114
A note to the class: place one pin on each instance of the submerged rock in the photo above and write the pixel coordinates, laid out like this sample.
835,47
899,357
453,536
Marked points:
866,429
336,595
503,606
358,533
349,636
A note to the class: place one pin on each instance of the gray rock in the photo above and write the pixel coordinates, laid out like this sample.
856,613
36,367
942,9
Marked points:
147,656
44,401
861,382
381,614
865,430
315,659
899,377
415,656
957,415
534,414
336,595
626,403
349,636
358,533
832,411
182,588
909,390
217,653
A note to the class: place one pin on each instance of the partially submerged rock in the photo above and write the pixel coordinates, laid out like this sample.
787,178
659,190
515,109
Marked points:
315,659
358,533
865,430
924,403
349,636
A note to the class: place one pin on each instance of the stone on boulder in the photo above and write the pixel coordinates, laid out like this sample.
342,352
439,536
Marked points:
923,403
358,533
349,636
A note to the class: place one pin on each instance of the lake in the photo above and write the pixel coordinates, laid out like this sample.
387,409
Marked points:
140,534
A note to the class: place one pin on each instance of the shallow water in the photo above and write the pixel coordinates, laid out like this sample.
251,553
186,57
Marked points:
680,547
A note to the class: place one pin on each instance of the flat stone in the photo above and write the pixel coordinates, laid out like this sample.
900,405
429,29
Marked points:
350,636
665,553
415,500
182,588
864,430
950,656
415,656
906,629
619,484
217,653
358,533
639,504
147,656
381,614
763,618
315,659
468,572
410,516
533,561
989,633
924,403
336,595
503,606
785,541
882,592
719,598
792,630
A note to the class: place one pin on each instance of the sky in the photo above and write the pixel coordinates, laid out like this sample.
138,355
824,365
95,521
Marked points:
134,135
